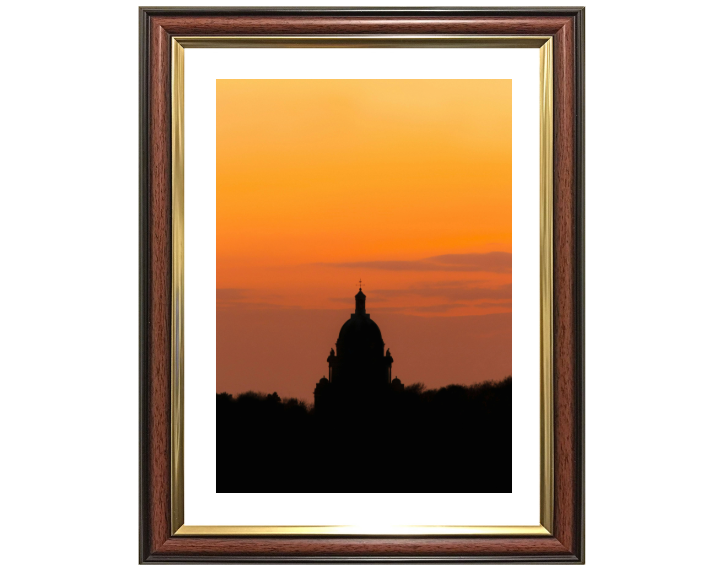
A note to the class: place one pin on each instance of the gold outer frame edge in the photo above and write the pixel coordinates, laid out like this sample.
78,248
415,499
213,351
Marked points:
544,43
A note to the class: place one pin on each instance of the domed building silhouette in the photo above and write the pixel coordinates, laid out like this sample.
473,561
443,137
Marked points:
361,365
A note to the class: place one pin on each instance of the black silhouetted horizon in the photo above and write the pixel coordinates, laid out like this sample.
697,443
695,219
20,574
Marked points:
367,431
457,438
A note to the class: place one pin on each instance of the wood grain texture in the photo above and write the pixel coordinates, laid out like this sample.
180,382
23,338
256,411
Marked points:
157,26
363,547
260,25
563,281
159,289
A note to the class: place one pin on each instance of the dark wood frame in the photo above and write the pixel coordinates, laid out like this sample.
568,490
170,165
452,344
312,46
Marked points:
157,27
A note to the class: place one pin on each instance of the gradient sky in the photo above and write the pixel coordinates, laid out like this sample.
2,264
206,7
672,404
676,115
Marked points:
403,183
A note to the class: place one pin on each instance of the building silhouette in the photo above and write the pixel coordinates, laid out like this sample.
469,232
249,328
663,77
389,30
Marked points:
361,366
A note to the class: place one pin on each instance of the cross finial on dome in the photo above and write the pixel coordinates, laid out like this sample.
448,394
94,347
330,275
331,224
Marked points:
360,284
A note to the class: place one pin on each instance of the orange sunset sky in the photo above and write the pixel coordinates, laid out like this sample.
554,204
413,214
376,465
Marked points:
403,183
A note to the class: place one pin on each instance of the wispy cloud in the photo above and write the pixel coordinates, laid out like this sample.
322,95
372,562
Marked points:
435,309
443,308
231,293
249,299
500,262
453,291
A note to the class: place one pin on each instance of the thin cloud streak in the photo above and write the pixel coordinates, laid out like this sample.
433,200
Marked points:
453,292
441,308
231,293
499,262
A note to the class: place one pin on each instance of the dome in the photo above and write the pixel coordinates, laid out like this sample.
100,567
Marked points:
360,358
359,329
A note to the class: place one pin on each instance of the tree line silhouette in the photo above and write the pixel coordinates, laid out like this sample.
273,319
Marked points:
453,439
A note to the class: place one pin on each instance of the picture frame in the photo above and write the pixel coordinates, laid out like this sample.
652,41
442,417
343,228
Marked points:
164,34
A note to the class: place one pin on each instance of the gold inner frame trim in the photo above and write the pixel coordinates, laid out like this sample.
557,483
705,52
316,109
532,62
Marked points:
545,45
362,530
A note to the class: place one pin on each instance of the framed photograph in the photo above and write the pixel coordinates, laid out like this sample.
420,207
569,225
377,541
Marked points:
319,187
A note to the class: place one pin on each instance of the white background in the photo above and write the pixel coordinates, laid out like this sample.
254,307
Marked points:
203,506
68,276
